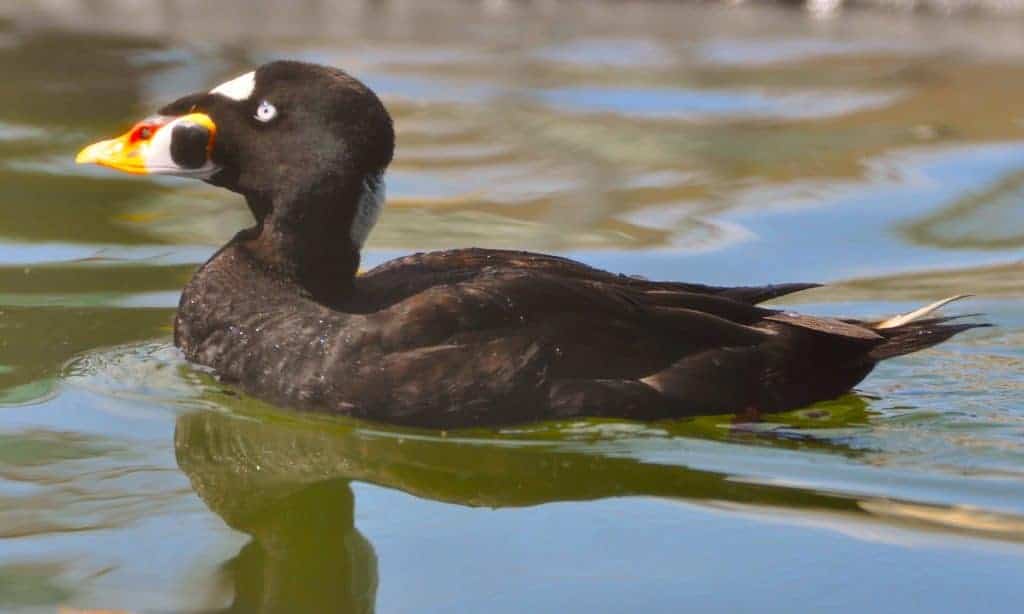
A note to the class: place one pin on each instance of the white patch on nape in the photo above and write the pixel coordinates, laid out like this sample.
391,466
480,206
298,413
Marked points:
371,201
239,88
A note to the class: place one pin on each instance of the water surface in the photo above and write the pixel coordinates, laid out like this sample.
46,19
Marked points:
881,153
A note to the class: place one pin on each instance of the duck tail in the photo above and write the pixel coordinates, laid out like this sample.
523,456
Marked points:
906,318
910,332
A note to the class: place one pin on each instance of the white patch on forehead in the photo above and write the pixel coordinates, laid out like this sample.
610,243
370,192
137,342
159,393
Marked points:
239,88
368,209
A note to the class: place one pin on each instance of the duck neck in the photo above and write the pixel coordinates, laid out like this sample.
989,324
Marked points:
306,238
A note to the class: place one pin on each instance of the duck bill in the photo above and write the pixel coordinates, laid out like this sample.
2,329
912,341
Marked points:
159,145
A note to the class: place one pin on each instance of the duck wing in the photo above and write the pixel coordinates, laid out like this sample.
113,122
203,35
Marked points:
404,277
504,343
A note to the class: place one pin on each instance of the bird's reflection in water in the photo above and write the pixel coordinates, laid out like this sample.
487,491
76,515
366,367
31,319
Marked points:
284,479
306,556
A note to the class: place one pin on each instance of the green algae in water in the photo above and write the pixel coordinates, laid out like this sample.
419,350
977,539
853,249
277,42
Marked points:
26,585
29,448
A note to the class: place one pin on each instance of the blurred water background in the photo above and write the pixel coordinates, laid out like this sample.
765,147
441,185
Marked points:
878,149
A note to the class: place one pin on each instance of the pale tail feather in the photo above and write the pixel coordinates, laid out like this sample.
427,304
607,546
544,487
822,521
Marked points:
917,314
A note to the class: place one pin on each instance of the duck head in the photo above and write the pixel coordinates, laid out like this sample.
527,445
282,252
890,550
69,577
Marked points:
306,145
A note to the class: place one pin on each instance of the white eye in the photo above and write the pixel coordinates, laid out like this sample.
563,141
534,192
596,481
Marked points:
266,112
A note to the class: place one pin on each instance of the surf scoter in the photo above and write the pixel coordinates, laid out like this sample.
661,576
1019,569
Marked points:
462,337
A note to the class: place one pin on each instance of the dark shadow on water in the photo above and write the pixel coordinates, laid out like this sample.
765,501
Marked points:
306,555
285,481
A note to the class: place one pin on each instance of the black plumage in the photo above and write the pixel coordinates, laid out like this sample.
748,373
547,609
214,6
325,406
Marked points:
473,336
